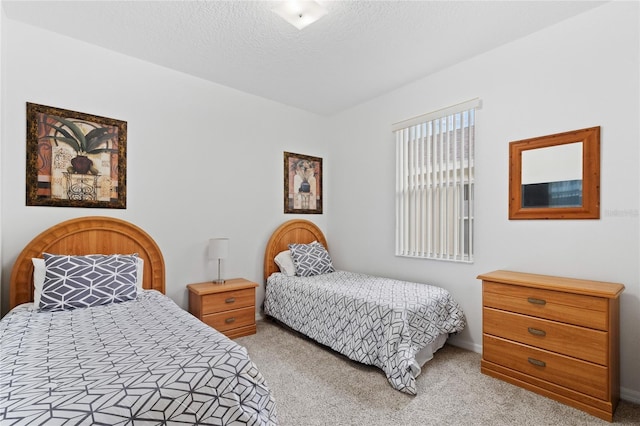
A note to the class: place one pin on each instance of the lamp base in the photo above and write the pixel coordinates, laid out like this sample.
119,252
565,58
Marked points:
219,280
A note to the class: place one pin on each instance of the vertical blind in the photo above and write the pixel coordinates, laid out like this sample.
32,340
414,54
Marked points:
435,184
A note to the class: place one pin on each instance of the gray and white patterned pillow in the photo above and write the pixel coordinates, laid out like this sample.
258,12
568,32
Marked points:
311,259
82,281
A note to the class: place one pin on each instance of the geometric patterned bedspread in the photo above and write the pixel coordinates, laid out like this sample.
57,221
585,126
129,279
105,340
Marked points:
141,362
373,320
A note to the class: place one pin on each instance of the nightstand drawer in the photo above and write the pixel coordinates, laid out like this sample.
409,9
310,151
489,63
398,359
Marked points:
235,299
577,309
228,320
585,377
579,342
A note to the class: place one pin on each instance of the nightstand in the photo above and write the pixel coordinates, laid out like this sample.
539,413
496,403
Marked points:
230,307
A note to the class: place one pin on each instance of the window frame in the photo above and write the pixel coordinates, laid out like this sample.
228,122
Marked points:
435,181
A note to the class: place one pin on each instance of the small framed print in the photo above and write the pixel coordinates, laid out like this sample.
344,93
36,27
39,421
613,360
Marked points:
302,184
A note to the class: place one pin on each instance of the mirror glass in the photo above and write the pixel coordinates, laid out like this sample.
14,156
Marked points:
555,176
552,176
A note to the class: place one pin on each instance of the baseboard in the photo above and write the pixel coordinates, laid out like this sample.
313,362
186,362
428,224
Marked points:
630,395
465,344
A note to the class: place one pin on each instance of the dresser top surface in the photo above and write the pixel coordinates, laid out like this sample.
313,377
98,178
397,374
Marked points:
549,282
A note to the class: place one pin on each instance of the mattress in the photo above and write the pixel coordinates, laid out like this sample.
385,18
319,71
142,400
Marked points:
373,320
142,362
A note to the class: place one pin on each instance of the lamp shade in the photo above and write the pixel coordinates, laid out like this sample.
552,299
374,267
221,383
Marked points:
218,248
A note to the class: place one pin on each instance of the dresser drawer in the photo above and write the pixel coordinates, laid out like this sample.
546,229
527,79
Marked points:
581,376
234,299
228,320
577,309
579,342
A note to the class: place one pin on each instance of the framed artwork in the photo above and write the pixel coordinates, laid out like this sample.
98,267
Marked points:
302,183
75,159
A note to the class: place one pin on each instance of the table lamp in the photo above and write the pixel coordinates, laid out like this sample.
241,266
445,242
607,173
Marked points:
218,249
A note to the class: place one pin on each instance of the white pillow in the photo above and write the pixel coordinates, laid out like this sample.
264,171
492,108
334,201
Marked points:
39,272
139,274
285,263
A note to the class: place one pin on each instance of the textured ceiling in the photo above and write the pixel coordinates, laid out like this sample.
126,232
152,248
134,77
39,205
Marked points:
359,50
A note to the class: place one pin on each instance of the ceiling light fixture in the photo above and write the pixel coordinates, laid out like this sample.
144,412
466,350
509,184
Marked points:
300,13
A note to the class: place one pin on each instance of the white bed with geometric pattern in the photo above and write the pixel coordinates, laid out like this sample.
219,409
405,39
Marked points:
135,359
139,362
391,324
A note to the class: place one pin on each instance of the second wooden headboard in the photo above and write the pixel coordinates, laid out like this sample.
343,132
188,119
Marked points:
293,231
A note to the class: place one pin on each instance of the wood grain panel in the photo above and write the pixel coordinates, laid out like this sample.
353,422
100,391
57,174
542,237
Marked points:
234,299
575,309
228,320
579,342
581,376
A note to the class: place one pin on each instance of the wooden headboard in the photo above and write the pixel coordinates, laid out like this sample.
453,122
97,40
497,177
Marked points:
87,235
293,231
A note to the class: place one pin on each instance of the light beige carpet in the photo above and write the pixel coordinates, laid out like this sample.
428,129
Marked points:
313,385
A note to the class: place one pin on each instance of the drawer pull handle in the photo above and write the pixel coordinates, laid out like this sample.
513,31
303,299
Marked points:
536,301
230,300
230,320
537,332
537,362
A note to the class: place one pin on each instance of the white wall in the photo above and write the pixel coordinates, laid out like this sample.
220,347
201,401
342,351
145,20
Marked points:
581,73
203,160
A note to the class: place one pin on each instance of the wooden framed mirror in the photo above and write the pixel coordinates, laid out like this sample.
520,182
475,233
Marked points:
555,176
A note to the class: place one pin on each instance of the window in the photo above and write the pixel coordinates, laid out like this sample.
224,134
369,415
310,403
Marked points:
435,184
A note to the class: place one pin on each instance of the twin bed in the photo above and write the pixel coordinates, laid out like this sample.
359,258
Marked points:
145,361
394,325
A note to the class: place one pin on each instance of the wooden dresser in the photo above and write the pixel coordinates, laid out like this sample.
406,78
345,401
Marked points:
556,336
230,307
